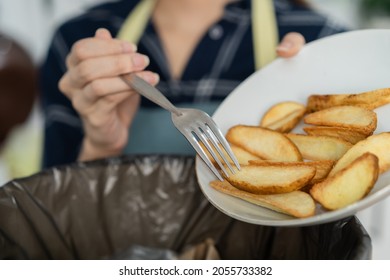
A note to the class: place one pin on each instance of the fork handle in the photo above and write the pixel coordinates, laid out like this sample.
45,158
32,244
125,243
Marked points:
150,92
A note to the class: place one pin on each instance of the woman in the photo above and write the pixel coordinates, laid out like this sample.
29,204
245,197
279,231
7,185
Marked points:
195,51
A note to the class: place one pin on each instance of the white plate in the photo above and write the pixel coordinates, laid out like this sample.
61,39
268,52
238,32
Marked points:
345,63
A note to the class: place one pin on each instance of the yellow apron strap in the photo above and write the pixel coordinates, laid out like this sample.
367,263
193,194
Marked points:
264,28
265,33
136,22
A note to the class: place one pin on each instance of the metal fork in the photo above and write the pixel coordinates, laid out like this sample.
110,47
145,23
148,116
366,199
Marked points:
196,125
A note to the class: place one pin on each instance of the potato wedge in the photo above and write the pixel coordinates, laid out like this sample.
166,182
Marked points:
369,100
348,134
354,117
271,178
348,185
264,143
322,167
287,123
297,204
281,110
242,155
283,116
377,144
320,147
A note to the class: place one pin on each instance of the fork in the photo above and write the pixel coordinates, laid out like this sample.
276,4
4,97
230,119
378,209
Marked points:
196,125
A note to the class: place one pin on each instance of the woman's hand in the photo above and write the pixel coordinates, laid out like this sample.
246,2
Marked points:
105,103
290,45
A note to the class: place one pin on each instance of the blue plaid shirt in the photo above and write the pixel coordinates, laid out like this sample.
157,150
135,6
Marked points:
222,60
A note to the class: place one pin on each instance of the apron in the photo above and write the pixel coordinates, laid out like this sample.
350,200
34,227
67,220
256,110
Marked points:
154,125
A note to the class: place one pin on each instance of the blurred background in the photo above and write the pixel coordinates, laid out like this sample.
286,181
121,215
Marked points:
32,23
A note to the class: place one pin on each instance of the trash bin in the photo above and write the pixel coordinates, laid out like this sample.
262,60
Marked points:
104,209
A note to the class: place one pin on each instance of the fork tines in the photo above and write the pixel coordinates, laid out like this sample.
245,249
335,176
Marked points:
216,146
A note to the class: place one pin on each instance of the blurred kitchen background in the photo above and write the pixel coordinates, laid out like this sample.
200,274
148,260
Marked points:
32,23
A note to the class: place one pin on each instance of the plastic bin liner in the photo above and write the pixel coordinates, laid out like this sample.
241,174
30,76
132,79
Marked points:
100,209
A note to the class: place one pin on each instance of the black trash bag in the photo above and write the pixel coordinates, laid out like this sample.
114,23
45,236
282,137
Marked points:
100,209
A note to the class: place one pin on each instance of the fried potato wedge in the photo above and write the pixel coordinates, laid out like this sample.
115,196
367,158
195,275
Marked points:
281,110
320,147
322,167
264,143
348,185
377,144
369,100
297,204
348,134
354,117
242,155
287,123
283,116
271,178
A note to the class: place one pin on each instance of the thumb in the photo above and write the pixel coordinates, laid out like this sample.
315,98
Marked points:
290,45
103,33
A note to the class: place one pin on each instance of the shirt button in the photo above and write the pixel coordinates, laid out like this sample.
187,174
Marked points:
216,32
